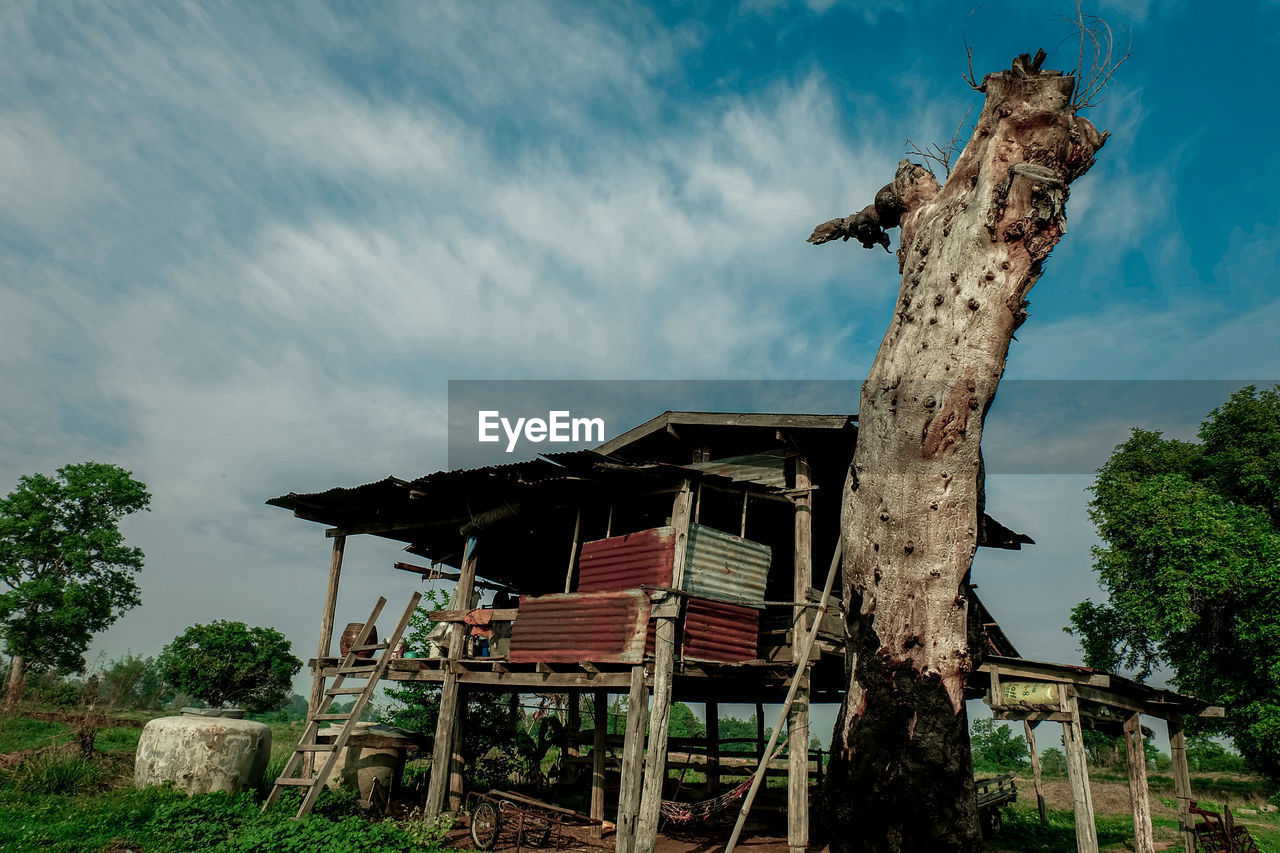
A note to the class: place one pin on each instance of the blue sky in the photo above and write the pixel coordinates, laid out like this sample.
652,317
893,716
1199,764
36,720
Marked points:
244,247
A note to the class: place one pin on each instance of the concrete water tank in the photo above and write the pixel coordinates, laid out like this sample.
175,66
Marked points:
203,750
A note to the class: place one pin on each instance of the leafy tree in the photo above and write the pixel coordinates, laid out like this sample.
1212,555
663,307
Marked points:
1191,563
995,746
1053,762
132,681
684,724
64,561
229,662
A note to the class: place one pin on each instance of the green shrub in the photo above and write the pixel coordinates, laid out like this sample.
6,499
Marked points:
56,774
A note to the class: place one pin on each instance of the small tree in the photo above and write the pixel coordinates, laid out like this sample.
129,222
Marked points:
228,662
67,569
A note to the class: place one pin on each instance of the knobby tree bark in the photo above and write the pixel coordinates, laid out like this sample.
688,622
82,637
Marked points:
901,773
15,684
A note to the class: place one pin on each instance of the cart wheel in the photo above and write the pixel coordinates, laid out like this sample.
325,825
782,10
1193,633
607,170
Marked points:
537,832
485,823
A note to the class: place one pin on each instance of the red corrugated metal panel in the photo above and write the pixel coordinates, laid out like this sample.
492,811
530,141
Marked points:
725,633
626,562
608,627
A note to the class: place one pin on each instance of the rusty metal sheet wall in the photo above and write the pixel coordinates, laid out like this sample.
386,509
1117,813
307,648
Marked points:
721,565
608,627
626,562
725,633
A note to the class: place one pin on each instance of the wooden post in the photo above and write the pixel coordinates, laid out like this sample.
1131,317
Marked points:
573,724
1181,780
742,528
713,748
798,716
325,648
1030,729
599,755
1139,796
759,729
457,764
655,771
443,752
573,551
1078,773
632,762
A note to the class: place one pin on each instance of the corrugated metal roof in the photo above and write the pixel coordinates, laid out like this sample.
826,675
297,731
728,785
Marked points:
720,632
607,627
767,469
643,558
721,565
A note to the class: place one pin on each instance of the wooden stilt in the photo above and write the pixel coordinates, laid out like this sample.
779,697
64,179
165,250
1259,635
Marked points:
599,754
655,771
325,648
759,728
632,762
457,763
443,751
798,717
713,748
1139,795
1078,773
1181,780
1030,729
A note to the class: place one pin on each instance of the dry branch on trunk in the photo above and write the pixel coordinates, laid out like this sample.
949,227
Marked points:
970,252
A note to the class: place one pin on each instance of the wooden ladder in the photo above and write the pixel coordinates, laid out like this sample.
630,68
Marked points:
347,669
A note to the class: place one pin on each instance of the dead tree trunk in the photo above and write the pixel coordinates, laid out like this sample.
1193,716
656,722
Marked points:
901,774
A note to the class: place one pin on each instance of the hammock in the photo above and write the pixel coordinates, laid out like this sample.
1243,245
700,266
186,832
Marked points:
705,810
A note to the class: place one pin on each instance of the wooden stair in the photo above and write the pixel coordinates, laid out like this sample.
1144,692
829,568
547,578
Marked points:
308,744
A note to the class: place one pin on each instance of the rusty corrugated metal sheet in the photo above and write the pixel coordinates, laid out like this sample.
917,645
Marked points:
725,633
627,562
721,565
608,627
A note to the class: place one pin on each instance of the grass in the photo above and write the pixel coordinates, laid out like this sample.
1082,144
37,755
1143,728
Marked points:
162,820
18,733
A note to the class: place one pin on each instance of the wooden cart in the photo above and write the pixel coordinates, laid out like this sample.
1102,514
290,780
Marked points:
535,823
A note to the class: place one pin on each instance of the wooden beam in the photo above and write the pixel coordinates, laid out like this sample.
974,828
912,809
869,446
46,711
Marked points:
1181,781
443,749
573,551
1139,795
1030,729
505,614
378,528
632,762
665,639
1078,774
325,647
599,754
798,715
